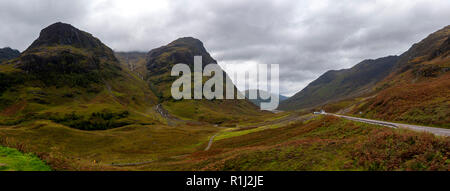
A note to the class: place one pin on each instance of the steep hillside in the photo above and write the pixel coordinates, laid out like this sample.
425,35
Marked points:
72,78
8,53
342,84
159,64
134,61
418,91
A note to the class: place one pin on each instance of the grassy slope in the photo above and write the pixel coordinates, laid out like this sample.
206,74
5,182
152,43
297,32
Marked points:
71,149
13,160
324,143
425,102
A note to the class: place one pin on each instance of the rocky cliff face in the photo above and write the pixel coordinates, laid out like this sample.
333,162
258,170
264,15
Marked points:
62,34
65,53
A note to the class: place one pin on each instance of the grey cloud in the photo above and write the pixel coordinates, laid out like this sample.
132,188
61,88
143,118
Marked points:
306,38
22,20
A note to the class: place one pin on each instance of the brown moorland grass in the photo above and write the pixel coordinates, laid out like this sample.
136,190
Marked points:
65,148
327,144
424,102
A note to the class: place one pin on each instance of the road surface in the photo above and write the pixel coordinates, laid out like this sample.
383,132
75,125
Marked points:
434,130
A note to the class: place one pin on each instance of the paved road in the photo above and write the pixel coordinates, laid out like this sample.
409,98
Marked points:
434,130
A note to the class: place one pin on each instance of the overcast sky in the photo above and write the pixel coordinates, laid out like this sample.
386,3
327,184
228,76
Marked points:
306,37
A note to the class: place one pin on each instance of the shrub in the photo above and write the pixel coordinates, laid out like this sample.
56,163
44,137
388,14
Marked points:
406,151
96,121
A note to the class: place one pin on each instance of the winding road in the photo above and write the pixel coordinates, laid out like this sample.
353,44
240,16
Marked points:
433,130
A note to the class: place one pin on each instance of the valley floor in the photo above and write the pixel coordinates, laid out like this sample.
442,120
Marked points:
285,142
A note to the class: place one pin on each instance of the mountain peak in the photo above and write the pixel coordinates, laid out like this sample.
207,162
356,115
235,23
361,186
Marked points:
63,51
65,34
182,50
187,41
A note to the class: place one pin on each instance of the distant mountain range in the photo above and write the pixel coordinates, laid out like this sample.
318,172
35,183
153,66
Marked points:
258,101
8,53
336,85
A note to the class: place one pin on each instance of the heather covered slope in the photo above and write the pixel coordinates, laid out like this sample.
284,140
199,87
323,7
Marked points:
342,84
316,143
70,77
159,64
418,91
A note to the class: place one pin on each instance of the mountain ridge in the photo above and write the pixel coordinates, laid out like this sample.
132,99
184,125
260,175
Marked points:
417,91
258,101
341,84
8,53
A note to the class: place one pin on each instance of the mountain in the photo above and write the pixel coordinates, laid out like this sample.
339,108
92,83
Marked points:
159,63
64,54
336,85
258,101
417,91
8,53
70,77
